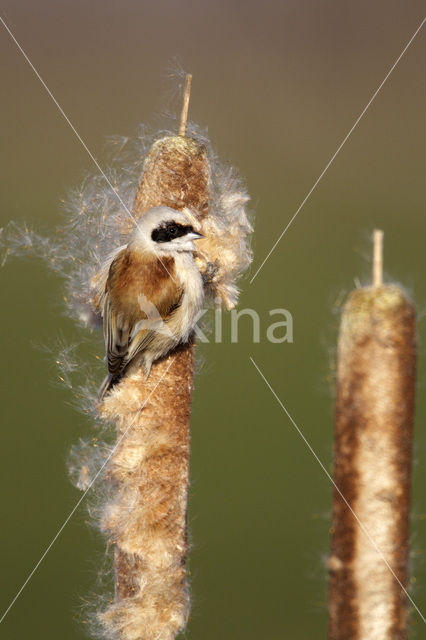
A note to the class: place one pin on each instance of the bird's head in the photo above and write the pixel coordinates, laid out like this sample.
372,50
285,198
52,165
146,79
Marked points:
166,231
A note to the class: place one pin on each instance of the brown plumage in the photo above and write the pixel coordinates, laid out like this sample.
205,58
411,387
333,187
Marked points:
131,275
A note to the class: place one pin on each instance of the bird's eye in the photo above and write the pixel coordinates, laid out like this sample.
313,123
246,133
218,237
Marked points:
173,230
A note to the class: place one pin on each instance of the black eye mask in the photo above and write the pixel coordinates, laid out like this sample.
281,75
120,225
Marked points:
170,231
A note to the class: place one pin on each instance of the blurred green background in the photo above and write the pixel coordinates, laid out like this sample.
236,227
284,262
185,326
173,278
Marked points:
278,84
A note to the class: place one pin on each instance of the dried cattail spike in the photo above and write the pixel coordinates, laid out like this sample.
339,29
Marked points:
373,452
146,520
146,517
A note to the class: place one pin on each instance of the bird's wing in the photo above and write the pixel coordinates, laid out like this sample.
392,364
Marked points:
140,295
117,337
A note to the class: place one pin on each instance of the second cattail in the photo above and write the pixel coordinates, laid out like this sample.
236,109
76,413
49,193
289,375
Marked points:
373,449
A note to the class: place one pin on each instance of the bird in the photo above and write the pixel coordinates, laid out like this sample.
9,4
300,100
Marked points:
153,294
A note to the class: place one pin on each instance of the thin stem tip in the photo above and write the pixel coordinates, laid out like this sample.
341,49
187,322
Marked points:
185,105
377,258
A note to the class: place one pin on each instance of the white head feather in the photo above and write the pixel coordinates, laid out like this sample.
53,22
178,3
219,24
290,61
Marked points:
165,231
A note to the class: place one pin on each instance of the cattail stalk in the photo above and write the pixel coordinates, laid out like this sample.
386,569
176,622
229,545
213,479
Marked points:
373,455
146,521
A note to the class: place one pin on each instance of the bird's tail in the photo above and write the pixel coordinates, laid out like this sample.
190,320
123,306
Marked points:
110,380
105,387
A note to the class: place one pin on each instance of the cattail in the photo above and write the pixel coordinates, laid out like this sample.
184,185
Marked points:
372,470
141,501
146,521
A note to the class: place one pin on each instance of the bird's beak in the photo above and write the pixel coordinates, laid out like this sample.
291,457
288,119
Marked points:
193,235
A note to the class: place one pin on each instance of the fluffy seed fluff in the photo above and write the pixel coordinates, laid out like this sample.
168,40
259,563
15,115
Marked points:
97,223
144,512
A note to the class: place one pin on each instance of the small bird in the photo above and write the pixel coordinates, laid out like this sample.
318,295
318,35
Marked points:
153,294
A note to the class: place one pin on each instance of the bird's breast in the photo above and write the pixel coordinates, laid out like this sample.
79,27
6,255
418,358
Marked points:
136,273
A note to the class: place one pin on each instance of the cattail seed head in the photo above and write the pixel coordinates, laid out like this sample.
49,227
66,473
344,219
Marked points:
373,450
